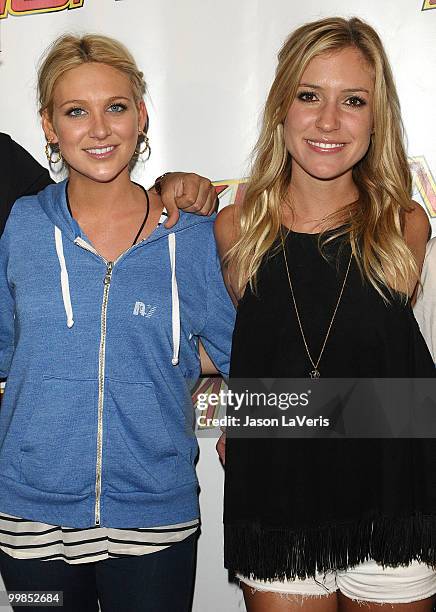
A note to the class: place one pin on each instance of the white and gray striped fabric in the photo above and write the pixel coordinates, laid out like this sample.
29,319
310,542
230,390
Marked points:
24,539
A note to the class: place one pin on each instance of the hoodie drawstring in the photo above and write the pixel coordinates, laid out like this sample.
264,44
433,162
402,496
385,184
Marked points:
175,310
175,304
65,285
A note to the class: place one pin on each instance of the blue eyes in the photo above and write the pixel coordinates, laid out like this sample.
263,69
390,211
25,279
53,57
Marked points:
117,108
311,96
75,112
80,112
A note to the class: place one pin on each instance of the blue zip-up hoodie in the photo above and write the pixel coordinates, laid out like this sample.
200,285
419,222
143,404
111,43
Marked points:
96,419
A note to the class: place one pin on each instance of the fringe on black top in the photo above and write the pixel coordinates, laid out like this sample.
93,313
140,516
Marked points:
281,554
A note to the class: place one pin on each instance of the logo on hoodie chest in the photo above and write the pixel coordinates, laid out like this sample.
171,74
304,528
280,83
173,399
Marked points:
144,310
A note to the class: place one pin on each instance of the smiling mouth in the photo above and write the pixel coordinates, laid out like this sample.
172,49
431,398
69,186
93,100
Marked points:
100,151
326,146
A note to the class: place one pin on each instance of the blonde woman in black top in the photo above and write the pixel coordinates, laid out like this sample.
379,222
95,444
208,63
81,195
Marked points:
322,258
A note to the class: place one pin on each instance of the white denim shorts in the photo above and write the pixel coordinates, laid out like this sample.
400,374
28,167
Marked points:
367,581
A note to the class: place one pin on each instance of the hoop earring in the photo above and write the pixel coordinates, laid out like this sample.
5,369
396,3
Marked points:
144,142
49,154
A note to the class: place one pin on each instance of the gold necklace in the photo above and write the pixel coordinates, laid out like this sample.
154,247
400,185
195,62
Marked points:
315,372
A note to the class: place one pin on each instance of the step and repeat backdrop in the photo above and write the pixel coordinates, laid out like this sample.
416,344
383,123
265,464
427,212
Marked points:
208,66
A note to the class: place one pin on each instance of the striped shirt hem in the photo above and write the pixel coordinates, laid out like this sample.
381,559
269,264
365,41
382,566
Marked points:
24,539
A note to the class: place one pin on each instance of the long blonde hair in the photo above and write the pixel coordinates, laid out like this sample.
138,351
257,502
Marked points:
382,177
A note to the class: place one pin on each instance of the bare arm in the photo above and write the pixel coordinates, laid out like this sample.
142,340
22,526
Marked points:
207,366
416,235
425,306
226,235
208,369
221,448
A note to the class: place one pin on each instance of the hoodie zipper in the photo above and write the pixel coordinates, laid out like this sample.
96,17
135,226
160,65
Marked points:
101,374
101,367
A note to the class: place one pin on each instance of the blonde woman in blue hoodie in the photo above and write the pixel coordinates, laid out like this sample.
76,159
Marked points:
102,308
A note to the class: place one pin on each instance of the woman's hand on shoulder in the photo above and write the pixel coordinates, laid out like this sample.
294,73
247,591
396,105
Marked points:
186,191
226,233
417,232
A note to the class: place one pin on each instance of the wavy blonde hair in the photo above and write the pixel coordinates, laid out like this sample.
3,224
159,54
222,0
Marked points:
383,179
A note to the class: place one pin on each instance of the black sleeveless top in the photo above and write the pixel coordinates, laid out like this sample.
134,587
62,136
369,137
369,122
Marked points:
295,507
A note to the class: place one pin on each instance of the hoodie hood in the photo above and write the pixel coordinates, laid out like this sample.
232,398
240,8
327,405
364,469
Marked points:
53,201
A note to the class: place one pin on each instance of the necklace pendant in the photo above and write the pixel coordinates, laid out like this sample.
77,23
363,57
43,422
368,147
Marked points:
314,374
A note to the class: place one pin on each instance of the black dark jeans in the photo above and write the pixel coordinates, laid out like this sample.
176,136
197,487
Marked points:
158,582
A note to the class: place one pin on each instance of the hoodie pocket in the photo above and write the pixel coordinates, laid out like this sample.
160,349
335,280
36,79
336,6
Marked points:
59,445
140,454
